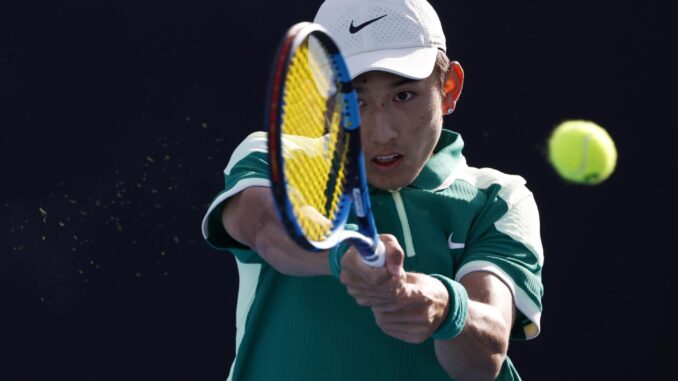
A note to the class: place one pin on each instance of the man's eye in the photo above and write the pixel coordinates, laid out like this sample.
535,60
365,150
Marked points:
403,96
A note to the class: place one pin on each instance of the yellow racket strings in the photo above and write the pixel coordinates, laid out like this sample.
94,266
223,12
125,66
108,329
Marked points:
314,149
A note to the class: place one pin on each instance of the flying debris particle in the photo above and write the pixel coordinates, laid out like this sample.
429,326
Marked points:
138,274
204,125
153,190
176,239
167,157
82,212
44,238
163,253
75,237
150,159
188,118
118,226
62,224
72,201
43,214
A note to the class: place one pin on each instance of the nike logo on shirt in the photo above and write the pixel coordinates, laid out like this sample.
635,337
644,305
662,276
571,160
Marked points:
355,29
454,245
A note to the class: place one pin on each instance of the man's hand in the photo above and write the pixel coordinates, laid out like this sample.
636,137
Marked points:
407,306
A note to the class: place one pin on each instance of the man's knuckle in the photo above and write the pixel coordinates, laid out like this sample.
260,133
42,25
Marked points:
373,280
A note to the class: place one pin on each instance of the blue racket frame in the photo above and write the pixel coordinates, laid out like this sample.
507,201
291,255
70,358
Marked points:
366,239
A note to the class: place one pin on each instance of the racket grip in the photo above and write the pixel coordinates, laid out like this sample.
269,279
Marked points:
378,259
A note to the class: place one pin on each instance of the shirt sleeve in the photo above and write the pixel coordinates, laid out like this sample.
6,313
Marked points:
505,241
247,167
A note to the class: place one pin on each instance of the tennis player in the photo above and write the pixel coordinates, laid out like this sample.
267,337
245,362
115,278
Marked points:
463,250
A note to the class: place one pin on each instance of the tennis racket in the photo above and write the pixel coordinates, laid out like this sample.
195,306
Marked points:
317,168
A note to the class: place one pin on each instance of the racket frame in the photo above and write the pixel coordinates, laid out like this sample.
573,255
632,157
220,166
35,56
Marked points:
366,239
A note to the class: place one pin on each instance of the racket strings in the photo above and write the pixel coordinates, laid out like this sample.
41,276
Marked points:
314,145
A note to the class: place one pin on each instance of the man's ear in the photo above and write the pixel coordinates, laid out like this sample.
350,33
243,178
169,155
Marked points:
454,82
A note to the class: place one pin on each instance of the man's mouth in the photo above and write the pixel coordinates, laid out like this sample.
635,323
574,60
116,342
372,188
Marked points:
386,161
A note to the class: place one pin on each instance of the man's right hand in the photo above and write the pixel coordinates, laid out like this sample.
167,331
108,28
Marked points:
374,286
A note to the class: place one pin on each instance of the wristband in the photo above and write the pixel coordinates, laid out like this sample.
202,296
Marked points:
338,251
458,309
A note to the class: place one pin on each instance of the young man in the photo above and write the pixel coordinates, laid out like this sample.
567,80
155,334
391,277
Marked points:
464,255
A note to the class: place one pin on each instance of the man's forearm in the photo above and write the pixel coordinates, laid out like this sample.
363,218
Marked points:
250,218
278,250
480,349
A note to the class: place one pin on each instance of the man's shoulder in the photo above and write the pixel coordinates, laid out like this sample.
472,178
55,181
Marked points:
510,187
254,143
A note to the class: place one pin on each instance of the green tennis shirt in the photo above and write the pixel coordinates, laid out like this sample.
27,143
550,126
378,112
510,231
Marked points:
453,220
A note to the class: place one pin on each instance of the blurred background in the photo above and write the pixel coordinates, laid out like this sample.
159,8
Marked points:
119,116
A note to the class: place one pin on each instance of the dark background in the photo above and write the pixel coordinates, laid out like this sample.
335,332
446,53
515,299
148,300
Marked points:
119,116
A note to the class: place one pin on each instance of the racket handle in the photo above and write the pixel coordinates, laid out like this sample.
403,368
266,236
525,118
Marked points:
378,259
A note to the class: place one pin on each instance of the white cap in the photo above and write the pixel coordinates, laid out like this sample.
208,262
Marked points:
397,36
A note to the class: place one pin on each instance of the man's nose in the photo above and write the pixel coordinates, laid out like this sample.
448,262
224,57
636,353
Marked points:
380,125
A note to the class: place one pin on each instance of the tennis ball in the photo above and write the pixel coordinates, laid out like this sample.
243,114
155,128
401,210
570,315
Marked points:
582,152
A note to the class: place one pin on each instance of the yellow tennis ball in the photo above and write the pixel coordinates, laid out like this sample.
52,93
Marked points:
582,152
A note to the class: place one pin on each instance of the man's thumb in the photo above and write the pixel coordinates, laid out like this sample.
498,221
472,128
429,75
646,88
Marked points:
394,261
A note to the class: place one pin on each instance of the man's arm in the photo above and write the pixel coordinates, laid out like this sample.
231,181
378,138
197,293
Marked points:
412,306
250,218
480,349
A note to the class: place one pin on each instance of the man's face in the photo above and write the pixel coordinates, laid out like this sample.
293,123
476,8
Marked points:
401,124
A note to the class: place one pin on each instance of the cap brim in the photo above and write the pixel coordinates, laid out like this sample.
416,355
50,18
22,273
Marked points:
414,63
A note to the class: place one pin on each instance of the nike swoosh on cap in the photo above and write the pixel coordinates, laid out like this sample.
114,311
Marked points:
454,245
355,29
